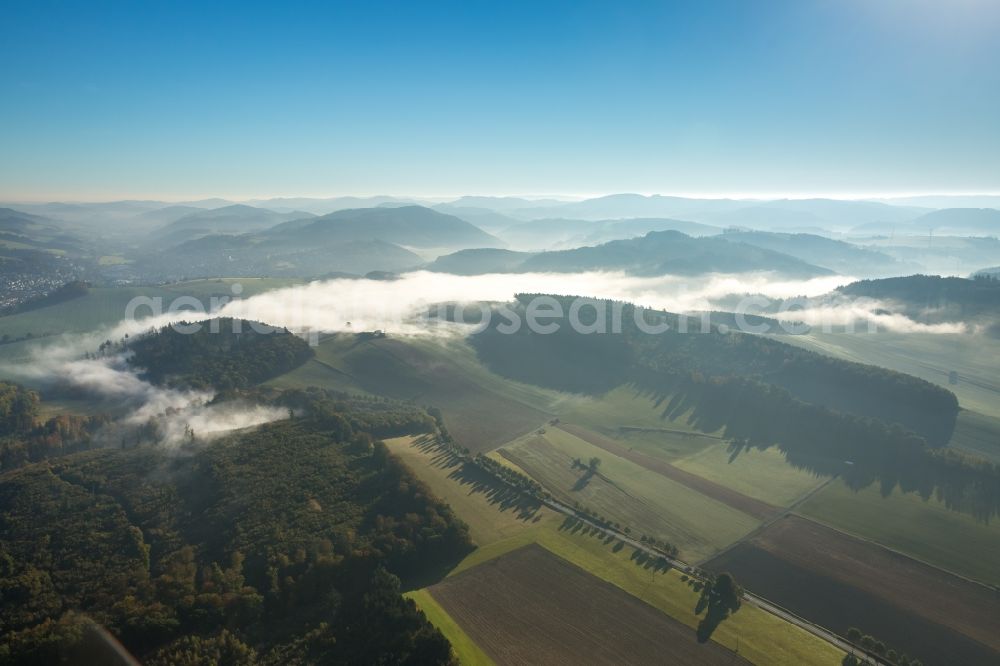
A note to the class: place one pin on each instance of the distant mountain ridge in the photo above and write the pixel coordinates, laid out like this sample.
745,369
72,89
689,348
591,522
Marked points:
563,233
237,219
656,253
838,256
355,241
414,226
968,220
947,221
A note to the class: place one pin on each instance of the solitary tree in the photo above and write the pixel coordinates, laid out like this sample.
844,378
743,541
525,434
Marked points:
727,591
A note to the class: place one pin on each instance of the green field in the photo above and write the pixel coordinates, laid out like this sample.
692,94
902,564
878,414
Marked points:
104,306
758,636
637,421
977,434
976,359
763,475
488,520
251,286
481,409
927,530
629,494
99,307
466,650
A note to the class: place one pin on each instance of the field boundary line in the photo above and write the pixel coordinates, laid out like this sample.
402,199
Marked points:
872,542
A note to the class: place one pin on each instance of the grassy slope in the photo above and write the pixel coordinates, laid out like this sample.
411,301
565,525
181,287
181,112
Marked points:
482,410
763,475
632,495
977,434
759,636
466,650
623,406
976,358
925,530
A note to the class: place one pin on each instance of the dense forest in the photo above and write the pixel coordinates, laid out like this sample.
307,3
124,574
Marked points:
933,298
866,424
282,545
24,438
221,353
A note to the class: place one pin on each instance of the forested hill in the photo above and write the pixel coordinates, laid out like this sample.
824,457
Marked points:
221,354
656,253
863,423
612,359
933,298
411,226
284,545
930,290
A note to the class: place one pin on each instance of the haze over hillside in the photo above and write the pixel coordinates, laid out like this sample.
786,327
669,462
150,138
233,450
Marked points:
656,253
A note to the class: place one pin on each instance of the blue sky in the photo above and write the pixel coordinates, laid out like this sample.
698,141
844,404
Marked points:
174,100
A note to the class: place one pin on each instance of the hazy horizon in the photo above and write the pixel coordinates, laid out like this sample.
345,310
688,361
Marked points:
886,197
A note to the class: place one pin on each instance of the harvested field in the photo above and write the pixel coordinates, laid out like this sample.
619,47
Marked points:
748,505
839,581
532,607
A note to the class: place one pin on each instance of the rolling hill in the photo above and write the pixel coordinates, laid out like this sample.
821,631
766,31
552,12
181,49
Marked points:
411,226
251,255
977,221
838,256
656,253
26,231
235,219
932,298
562,233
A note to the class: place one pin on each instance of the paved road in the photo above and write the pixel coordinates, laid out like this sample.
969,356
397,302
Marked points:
680,565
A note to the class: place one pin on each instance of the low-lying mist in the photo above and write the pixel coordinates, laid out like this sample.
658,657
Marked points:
399,306
396,306
154,414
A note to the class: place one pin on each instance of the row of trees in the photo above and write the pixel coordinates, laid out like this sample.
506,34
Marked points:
875,646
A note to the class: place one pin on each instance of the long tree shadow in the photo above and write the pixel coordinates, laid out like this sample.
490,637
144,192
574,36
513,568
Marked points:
720,598
503,497
859,450
583,481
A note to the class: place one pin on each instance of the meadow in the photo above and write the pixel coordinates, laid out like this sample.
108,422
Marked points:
638,421
626,493
763,475
481,410
101,306
976,359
